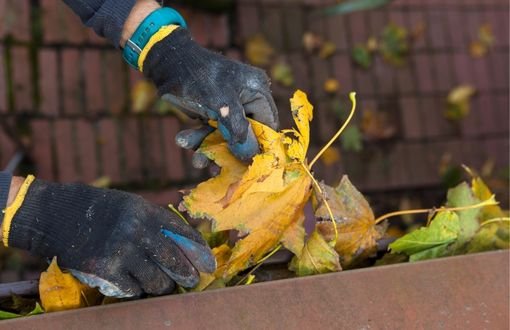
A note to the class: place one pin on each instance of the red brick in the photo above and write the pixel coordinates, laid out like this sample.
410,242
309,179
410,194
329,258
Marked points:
73,93
162,197
320,71
420,172
342,69
300,70
108,144
131,147
326,122
433,118
248,21
436,29
153,148
199,27
363,82
41,151
7,149
337,32
501,113
470,126
413,18
72,29
384,77
377,170
3,83
272,27
93,38
423,67
15,19
65,151
457,39
497,148
220,33
358,28
482,107
410,113
499,62
173,154
406,80
94,91
398,167
480,70
115,77
463,68
86,149
442,63
51,20
22,79
48,82
293,27
499,20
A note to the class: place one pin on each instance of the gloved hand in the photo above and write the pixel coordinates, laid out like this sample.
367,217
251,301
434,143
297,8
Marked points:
208,86
109,239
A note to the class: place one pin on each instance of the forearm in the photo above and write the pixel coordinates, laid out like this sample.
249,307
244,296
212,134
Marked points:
13,191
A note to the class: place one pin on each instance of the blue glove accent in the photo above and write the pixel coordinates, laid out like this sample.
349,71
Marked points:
5,186
150,25
196,253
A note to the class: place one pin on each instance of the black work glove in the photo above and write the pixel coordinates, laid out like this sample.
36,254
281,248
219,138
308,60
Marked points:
110,239
209,86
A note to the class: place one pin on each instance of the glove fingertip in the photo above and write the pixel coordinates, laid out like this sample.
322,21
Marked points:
199,255
247,149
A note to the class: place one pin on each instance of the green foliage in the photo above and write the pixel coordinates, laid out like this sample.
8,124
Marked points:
362,56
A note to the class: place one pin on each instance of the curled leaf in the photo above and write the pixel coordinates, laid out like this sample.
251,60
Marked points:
317,257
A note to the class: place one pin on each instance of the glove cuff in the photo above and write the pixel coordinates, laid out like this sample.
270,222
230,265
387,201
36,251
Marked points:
11,211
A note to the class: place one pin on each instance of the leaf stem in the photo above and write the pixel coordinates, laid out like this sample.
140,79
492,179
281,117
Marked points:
494,220
259,263
321,192
487,202
352,96
171,207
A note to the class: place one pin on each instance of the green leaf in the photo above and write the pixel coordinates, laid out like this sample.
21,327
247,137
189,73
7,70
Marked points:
351,139
490,237
8,315
394,45
459,196
317,257
362,56
435,252
352,6
443,230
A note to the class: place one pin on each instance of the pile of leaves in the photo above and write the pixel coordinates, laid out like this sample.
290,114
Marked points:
263,205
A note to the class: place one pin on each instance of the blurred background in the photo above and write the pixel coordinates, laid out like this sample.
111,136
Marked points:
431,78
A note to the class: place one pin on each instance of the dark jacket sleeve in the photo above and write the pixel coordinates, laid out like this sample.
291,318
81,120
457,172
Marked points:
106,17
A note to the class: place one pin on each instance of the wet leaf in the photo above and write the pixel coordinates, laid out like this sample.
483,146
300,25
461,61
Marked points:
258,51
394,44
327,50
331,156
375,125
331,86
458,102
362,56
312,42
357,231
432,241
317,257
263,201
352,139
143,96
61,291
281,72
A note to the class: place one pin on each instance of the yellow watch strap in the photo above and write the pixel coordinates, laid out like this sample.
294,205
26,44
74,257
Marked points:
157,37
11,210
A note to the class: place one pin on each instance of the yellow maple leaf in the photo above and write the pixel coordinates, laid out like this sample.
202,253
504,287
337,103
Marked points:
355,221
263,201
61,291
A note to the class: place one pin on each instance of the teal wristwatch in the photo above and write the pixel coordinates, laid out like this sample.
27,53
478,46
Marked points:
150,25
5,186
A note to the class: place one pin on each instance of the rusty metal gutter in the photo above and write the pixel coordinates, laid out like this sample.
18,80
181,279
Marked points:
467,292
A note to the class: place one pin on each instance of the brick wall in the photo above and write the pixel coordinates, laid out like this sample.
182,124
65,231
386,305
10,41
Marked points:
64,92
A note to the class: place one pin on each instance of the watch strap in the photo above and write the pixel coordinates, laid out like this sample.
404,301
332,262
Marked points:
149,26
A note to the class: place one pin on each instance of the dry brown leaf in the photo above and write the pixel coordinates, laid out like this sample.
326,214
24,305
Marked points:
312,42
357,230
375,125
331,156
327,50
331,86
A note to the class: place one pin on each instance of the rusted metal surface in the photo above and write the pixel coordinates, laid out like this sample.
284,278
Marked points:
466,292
